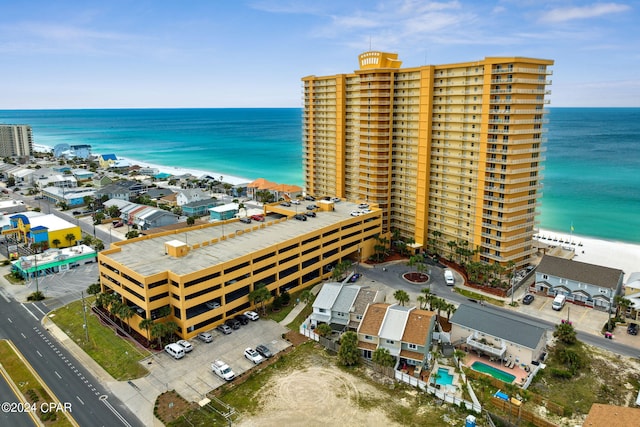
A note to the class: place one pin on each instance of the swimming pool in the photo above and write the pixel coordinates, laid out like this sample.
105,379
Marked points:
444,377
494,372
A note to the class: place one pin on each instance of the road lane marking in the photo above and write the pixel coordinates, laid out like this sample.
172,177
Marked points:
38,308
80,400
56,372
9,319
103,398
39,354
29,311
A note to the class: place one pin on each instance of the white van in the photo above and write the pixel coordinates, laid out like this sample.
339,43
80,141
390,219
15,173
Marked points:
175,350
448,278
558,302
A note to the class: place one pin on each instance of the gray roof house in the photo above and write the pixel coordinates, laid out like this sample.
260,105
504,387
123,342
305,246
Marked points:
497,334
585,284
342,305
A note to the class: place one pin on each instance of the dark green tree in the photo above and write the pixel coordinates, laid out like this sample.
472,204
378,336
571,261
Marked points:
348,354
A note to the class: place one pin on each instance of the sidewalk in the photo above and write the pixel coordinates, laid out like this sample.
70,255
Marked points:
299,307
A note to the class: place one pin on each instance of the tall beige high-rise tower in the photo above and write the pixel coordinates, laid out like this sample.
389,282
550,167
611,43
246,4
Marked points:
453,154
16,141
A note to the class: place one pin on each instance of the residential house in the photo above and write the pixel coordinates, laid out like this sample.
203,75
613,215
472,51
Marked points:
157,193
82,175
50,178
223,212
124,190
190,195
107,160
199,208
70,196
101,181
279,191
406,332
11,206
342,305
142,216
496,334
585,284
632,293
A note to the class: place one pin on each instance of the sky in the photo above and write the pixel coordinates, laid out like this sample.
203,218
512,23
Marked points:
67,54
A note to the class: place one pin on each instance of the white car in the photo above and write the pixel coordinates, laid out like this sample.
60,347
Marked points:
355,213
222,370
295,202
363,206
253,356
186,345
252,315
335,199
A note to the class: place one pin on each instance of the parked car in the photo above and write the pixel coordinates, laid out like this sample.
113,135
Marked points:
222,370
212,304
355,213
632,329
363,206
287,204
77,212
354,277
224,329
205,337
251,315
312,207
185,344
174,350
118,224
312,214
245,220
310,198
257,217
242,319
528,299
233,323
300,217
295,202
253,356
264,351
335,199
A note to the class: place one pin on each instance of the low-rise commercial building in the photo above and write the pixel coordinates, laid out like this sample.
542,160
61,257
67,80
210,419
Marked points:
206,273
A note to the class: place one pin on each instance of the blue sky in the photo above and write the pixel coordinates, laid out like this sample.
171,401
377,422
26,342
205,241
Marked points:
236,53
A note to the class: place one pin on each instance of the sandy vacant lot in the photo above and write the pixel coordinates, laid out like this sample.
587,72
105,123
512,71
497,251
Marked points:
317,396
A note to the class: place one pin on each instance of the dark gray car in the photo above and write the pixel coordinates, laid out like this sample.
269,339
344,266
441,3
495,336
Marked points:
264,351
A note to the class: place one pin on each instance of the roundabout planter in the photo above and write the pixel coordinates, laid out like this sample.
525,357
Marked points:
416,277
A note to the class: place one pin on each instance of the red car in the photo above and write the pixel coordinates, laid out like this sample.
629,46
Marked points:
118,224
257,218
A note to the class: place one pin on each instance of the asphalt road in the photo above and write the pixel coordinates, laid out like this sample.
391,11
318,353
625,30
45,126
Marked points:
91,404
11,412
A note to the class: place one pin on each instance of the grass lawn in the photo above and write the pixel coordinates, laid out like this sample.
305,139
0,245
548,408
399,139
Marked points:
479,297
29,386
116,355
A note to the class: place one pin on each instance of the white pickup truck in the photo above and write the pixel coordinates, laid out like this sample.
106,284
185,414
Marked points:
222,370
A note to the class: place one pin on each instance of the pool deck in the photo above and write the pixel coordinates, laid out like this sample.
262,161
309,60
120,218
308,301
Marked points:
516,371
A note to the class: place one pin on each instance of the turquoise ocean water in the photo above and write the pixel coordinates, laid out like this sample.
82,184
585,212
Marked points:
592,171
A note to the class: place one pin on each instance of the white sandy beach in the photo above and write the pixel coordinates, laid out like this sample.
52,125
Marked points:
621,255
176,170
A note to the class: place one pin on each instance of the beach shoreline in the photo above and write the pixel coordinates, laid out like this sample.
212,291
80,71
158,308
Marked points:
620,255
172,170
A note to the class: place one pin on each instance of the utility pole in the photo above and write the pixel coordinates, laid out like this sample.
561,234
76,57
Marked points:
84,314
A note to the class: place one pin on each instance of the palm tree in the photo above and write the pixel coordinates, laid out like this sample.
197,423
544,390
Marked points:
452,245
401,296
422,300
170,328
260,295
146,324
70,237
565,332
56,242
450,309
306,296
157,331
126,313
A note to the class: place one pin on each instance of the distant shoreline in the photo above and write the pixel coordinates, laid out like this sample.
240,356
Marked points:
172,170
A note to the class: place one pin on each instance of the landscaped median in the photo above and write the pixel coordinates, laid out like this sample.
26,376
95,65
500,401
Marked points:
34,395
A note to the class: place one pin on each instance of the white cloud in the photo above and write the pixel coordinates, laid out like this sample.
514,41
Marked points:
584,12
